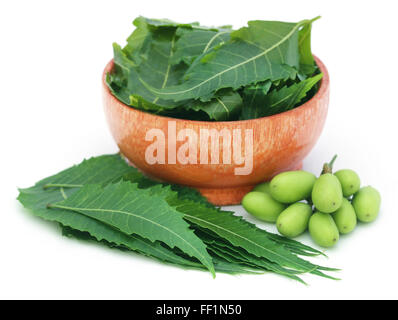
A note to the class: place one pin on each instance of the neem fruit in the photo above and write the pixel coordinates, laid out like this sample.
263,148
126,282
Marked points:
262,206
263,187
293,221
327,194
292,186
366,203
323,229
337,198
345,217
349,180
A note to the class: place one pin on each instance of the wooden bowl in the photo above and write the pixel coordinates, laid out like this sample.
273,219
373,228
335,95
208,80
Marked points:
280,143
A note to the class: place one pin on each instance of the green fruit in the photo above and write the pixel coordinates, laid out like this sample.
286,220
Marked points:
349,180
292,186
345,217
323,230
366,203
293,221
262,187
262,206
327,195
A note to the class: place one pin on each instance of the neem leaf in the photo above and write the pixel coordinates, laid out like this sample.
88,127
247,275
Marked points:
192,43
277,100
142,36
192,195
164,23
223,108
240,255
36,200
254,262
253,97
152,63
241,234
295,246
136,211
234,229
154,68
139,39
254,53
193,72
106,170
233,268
103,170
164,254
306,56
146,56
307,62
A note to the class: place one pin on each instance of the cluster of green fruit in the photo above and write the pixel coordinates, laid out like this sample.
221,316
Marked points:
333,204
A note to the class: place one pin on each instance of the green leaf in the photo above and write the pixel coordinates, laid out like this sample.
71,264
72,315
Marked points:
236,257
239,255
108,169
306,56
235,230
166,255
136,211
233,268
253,97
165,23
254,53
192,195
154,69
192,43
226,107
192,72
103,170
307,62
139,41
295,246
36,200
277,100
148,57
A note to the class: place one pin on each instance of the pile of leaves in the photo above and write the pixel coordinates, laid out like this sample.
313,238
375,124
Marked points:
215,74
105,200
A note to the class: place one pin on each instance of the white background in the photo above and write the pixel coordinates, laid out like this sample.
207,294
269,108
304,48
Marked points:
52,56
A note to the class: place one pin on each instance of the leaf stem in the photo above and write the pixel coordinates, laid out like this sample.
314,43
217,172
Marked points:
328,167
314,19
332,161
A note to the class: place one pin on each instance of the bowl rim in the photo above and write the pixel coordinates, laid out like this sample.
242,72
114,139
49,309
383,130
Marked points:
318,95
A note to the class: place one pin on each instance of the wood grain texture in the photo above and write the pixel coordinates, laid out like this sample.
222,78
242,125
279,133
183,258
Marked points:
281,142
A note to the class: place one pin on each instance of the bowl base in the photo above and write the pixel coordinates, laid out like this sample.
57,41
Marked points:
225,196
231,196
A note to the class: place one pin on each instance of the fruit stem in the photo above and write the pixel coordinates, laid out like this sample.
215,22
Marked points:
328,167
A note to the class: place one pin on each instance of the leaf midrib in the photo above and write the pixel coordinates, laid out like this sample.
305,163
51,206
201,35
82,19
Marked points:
166,76
213,38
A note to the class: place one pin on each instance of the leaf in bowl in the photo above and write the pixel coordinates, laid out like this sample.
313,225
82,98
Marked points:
263,50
